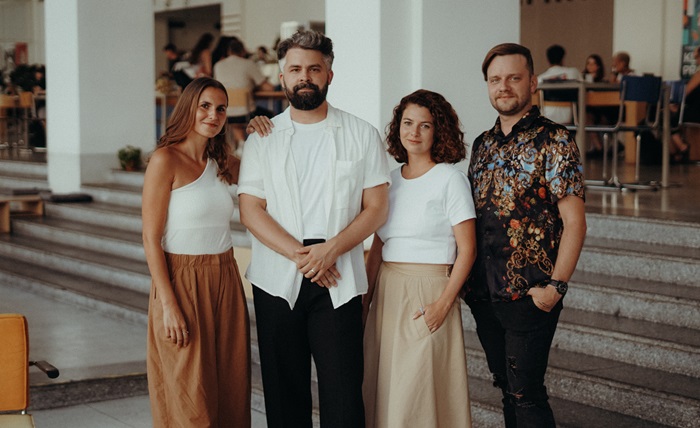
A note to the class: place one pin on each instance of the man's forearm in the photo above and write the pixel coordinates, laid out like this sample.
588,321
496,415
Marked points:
372,216
268,231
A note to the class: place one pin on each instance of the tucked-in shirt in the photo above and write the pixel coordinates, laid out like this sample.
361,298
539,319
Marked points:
517,180
422,212
312,157
358,162
199,216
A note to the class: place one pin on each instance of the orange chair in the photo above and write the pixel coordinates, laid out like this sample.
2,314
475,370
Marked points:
14,372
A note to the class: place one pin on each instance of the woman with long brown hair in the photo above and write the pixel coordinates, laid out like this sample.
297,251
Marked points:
198,356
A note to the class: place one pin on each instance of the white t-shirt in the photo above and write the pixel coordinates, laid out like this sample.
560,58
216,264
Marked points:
422,212
312,156
559,114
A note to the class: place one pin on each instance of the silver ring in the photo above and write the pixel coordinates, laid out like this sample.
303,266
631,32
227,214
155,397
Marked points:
312,271
185,332
422,311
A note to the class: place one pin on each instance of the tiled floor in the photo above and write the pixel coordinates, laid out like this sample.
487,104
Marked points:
75,338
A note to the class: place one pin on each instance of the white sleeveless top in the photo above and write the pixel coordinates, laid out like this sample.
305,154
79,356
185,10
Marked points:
199,216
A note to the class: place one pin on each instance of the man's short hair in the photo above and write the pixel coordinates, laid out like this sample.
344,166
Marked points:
555,54
623,57
235,46
170,47
310,40
507,49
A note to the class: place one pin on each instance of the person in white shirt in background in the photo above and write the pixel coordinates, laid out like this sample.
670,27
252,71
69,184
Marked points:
557,72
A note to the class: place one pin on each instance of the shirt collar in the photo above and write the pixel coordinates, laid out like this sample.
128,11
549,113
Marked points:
525,122
284,120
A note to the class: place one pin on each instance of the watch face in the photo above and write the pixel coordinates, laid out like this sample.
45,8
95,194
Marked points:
561,286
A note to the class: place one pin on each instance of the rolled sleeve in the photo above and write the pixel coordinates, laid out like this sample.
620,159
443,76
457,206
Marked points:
376,163
250,179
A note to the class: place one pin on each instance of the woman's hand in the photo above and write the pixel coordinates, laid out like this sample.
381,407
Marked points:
175,326
434,314
260,124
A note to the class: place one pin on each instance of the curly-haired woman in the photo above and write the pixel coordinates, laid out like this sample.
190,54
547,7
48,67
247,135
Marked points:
198,356
415,365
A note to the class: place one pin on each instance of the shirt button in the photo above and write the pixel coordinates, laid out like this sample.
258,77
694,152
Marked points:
488,257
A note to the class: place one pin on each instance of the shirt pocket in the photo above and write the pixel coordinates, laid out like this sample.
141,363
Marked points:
347,181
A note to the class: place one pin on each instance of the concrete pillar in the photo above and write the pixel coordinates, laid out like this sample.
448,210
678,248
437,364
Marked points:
385,50
100,67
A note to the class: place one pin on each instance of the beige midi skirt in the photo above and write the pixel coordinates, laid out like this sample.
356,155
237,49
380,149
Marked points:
206,384
413,378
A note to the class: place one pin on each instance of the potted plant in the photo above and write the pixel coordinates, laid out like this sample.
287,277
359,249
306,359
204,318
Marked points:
130,158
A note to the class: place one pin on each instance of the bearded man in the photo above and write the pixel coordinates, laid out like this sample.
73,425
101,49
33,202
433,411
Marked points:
310,192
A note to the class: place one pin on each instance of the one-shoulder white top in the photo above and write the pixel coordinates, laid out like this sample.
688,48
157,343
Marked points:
199,216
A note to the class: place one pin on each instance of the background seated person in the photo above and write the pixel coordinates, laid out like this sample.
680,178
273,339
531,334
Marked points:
557,71
620,67
235,72
681,141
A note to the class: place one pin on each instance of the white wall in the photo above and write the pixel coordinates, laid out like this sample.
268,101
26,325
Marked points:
23,21
383,55
457,36
262,18
651,32
99,74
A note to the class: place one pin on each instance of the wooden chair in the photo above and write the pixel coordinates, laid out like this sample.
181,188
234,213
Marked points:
239,100
8,120
14,372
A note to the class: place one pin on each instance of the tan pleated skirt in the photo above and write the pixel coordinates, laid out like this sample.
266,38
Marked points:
207,383
413,378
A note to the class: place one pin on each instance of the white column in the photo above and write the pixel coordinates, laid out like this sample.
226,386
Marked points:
651,32
100,65
385,50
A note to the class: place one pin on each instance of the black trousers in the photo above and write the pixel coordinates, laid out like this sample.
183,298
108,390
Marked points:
287,338
516,337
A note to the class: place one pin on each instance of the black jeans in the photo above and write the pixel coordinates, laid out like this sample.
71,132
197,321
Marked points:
516,337
287,338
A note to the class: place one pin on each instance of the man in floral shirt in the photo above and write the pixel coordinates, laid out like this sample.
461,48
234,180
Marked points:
528,189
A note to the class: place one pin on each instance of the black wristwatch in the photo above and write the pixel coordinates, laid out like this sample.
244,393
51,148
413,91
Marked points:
561,286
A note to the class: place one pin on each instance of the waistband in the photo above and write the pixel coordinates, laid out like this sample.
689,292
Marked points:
419,269
200,259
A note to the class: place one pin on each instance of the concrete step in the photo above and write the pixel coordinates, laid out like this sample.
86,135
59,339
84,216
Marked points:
23,180
646,344
660,263
95,265
110,299
89,237
127,218
129,178
671,304
643,230
643,343
118,194
23,167
607,385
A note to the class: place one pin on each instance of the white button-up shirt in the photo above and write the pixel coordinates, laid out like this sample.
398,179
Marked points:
268,172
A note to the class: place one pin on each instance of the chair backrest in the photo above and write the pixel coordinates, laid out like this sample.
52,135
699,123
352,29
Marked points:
677,91
14,363
641,88
239,101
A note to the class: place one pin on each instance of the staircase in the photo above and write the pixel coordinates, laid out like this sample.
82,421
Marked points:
626,352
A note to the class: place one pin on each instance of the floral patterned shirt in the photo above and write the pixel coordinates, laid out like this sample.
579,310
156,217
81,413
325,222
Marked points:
516,181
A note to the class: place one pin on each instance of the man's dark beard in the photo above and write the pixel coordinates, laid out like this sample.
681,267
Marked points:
307,100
